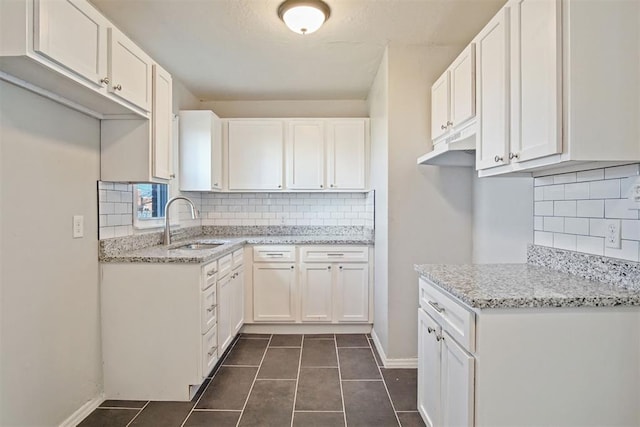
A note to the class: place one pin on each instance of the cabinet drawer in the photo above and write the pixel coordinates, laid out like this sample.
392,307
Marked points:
209,351
209,309
209,274
224,265
274,254
453,317
334,253
238,258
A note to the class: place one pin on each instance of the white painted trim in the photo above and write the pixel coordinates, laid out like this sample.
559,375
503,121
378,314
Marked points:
408,363
257,328
83,412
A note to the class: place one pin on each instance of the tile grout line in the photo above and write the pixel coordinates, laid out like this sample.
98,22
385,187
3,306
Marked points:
138,414
295,393
395,413
254,381
344,408
210,381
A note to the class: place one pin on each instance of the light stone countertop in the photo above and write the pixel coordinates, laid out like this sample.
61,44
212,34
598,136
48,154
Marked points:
169,254
485,286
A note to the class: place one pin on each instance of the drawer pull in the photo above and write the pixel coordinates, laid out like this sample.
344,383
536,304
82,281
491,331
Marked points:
211,308
335,254
275,254
212,351
211,273
436,307
430,329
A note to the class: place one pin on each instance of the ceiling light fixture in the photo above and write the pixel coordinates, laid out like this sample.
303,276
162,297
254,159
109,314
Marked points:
304,16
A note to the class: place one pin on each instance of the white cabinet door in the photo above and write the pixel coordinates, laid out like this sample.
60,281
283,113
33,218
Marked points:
162,117
352,292
256,150
316,282
492,78
225,308
346,151
237,317
200,151
457,379
305,155
440,106
73,34
536,73
129,71
274,292
463,87
429,362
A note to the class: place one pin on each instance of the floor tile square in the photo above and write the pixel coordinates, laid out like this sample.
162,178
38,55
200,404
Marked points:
357,364
367,404
319,390
376,354
403,388
270,404
246,352
163,414
319,353
410,419
318,419
228,389
131,404
213,418
109,418
352,340
280,364
286,341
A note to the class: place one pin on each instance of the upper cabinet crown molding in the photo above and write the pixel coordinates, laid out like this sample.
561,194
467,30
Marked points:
68,51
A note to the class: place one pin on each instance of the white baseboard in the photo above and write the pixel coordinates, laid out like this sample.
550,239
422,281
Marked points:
409,363
259,328
83,412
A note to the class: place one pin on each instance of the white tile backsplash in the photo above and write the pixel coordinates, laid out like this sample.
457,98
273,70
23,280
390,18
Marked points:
571,211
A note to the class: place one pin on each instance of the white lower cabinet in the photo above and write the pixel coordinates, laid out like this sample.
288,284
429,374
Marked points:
429,362
225,301
274,292
237,284
352,292
316,285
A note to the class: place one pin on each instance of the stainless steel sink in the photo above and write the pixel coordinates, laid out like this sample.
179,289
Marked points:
199,246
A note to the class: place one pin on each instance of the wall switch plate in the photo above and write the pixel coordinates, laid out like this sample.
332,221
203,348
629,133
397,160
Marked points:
78,226
612,234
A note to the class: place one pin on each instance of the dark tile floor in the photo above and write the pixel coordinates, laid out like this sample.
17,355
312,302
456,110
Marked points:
285,380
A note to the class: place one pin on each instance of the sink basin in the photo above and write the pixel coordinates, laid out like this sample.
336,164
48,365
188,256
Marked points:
199,246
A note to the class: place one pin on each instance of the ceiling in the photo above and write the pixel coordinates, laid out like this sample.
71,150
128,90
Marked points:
240,50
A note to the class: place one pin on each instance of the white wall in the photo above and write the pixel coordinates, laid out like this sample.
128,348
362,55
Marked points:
502,219
50,330
332,108
428,209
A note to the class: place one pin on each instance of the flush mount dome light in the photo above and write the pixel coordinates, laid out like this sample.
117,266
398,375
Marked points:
304,16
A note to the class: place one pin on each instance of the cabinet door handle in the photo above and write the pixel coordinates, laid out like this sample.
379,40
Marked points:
211,308
436,307
329,268
105,81
439,337
212,351
443,127
514,156
498,159
449,123
430,329
117,87
211,273
275,254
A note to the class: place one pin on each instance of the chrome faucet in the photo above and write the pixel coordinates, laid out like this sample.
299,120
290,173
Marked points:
167,222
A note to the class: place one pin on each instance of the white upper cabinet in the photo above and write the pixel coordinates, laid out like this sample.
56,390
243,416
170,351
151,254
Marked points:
74,35
492,74
255,159
129,71
200,151
347,154
440,100
305,155
463,88
162,122
536,85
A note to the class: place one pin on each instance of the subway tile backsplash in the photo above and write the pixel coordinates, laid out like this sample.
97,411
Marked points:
571,209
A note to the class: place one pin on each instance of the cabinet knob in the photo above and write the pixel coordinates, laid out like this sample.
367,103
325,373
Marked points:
216,184
449,123
321,186
498,159
105,81
279,186
117,87
439,337
329,268
173,175
340,267
292,267
332,185
514,156
430,329
443,127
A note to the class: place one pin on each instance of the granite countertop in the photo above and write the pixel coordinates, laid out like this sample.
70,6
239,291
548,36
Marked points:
170,254
524,285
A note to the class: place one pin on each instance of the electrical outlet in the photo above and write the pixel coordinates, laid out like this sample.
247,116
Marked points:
612,237
78,226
